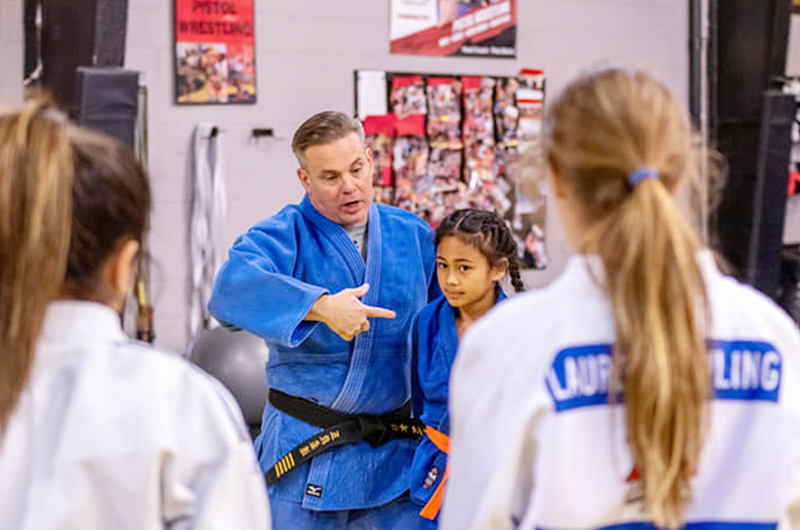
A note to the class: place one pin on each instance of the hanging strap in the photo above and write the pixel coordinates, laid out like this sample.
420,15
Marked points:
207,217
442,442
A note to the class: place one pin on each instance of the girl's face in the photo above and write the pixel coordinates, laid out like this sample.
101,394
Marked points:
465,275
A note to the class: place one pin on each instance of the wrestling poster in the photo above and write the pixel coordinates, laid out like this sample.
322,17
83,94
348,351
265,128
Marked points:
471,28
214,52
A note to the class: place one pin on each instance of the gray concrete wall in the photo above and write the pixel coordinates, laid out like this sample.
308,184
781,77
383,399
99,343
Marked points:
11,52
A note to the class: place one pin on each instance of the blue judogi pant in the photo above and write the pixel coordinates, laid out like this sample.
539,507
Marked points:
400,514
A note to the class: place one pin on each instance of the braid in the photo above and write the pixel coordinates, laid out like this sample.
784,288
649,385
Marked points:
489,233
507,248
516,277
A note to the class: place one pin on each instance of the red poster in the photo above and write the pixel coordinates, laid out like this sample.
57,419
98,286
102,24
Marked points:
473,28
214,51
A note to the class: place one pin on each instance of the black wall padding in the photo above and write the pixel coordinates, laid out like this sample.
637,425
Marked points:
106,101
752,39
695,63
748,55
769,199
111,20
80,33
32,38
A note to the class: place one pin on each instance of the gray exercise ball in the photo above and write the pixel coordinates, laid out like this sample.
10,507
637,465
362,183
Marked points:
238,360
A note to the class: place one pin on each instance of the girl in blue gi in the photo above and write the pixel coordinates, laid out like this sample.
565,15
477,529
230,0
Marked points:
474,251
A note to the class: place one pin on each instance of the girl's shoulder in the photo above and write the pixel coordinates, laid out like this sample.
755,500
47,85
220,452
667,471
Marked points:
431,313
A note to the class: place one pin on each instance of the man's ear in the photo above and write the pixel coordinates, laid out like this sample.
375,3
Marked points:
304,177
368,157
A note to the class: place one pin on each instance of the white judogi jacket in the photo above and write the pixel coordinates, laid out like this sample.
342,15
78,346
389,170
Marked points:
535,444
112,434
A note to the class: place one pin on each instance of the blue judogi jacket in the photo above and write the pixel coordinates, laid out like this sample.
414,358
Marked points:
274,274
434,343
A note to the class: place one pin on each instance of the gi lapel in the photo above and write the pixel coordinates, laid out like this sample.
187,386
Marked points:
446,347
348,398
447,336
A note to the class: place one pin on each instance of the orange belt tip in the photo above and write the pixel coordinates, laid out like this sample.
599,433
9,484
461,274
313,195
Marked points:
442,442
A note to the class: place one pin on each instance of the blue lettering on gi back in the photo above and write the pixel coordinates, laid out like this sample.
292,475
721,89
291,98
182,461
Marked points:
740,370
745,370
699,525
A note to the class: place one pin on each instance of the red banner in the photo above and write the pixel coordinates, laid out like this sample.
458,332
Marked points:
476,28
214,51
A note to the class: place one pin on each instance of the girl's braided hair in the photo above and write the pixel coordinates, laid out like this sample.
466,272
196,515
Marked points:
487,232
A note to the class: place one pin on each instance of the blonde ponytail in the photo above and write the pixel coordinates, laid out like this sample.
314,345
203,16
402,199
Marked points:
36,172
657,297
603,128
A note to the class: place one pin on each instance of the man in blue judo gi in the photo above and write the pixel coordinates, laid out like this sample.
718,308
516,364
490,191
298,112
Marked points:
332,285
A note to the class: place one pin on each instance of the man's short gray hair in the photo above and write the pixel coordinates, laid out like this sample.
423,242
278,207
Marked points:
324,128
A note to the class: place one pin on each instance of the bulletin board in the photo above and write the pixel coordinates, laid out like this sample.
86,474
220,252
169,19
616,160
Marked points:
214,52
446,142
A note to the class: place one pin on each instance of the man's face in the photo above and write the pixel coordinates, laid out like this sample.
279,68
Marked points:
338,179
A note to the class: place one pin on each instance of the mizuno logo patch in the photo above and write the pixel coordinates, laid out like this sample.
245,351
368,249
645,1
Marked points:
313,490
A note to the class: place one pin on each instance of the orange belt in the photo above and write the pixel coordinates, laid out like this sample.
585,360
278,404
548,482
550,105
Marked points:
441,441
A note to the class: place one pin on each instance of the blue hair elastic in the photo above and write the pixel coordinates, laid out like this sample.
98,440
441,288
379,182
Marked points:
55,115
638,175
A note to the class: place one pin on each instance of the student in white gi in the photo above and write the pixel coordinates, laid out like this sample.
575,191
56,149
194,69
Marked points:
97,431
643,388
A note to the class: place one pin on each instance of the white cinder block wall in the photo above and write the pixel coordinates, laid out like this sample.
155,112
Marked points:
12,46
793,51
307,51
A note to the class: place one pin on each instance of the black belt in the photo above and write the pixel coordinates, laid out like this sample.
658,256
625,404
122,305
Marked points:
340,428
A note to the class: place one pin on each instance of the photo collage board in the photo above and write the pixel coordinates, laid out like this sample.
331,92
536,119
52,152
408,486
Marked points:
450,142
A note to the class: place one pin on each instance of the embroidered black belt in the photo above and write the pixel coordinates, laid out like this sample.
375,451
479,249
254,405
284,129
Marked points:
339,429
